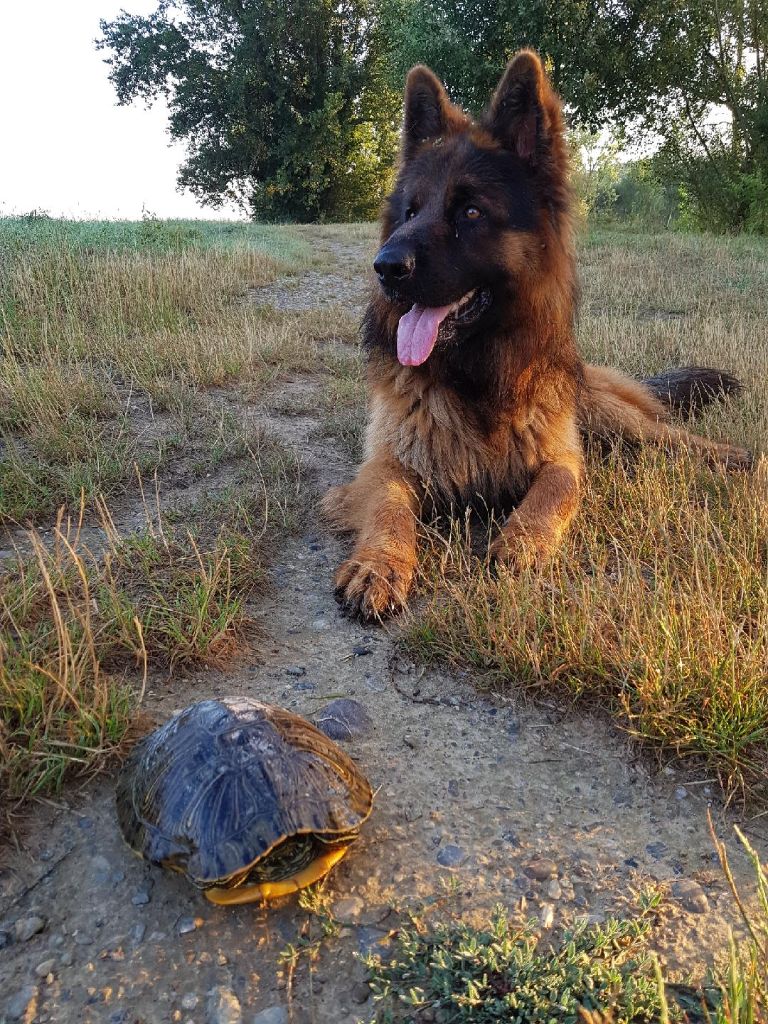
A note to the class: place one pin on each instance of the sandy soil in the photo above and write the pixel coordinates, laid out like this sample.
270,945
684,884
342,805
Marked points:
543,809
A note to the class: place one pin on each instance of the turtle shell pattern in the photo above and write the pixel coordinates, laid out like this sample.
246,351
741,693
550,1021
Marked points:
217,787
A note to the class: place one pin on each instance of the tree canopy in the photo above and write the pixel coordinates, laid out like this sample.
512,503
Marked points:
281,104
290,108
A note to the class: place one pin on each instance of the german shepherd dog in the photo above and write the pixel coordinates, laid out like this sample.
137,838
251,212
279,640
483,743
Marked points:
476,389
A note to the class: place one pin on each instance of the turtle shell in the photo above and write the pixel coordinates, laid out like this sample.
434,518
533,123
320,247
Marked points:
217,787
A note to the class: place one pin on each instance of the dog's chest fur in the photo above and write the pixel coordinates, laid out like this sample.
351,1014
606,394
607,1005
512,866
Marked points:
444,440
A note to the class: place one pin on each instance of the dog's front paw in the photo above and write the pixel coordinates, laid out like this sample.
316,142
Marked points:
521,549
372,585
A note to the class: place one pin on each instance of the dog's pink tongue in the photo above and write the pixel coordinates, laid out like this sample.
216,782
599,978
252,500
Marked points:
417,333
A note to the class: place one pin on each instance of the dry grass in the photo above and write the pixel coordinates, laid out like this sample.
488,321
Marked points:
143,344
80,623
111,337
84,330
656,608
343,411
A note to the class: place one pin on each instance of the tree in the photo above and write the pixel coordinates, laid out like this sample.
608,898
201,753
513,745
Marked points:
715,123
282,105
661,67
603,56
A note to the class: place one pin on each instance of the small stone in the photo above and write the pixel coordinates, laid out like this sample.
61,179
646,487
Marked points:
295,670
23,1004
45,968
453,787
137,934
85,822
189,1001
5,939
142,896
374,913
540,868
223,1007
353,910
101,869
681,793
26,927
690,896
83,938
272,1015
361,650
554,890
185,925
66,959
343,719
371,940
361,993
512,839
451,856
546,915
412,741
656,850
348,909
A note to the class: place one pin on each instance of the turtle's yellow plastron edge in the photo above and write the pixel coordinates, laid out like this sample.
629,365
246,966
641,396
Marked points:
313,872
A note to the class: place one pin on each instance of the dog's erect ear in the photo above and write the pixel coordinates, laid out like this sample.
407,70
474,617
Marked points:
428,112
524,114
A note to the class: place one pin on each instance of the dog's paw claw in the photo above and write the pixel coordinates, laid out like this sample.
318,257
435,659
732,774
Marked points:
372,587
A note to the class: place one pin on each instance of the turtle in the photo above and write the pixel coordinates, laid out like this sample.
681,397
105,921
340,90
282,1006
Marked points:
246,799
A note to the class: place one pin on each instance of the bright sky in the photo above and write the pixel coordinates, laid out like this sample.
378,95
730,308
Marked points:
65,145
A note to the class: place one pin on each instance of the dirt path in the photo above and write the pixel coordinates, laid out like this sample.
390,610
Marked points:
547,812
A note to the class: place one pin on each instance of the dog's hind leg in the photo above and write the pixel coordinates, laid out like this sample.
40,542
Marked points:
612,404
381,506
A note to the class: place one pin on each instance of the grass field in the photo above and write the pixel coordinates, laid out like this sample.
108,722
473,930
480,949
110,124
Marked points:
130,354
657,606
118,343
137,356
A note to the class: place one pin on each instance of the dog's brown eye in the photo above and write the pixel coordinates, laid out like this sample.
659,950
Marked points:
472,213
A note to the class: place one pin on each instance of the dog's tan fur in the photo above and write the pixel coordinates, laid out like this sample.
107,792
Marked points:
522,437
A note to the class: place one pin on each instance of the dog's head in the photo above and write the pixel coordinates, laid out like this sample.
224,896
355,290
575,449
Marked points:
474,206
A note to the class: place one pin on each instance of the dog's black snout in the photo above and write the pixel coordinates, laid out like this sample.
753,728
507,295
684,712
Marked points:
394,264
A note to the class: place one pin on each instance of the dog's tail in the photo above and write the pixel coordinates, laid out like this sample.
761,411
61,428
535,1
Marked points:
689,389
613,405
